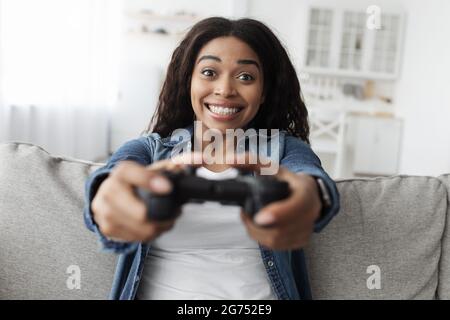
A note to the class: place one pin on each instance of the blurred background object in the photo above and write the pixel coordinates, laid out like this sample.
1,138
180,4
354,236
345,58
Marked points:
81,77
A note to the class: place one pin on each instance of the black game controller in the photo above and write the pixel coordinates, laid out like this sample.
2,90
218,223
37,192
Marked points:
249,192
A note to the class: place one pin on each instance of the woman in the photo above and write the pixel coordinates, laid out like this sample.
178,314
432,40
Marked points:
225,75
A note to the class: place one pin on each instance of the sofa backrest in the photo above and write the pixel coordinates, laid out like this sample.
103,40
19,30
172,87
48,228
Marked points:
389,241
443,291
392,227
44,245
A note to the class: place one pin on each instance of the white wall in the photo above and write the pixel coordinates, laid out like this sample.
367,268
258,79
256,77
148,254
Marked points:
141,76
287,19
423,91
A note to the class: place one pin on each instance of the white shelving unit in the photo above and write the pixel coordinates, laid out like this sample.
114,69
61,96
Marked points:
339,43
342,52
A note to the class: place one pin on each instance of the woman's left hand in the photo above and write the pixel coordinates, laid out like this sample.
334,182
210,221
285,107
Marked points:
287,224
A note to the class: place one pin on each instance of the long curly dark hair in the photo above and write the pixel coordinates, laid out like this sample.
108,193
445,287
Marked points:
283,108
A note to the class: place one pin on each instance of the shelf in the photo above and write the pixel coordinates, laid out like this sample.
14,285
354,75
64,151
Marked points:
146,23
185,18
349,73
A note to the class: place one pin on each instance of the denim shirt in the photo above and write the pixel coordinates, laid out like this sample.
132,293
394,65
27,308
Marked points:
286,270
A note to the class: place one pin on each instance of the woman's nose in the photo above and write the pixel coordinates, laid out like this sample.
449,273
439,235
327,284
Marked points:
225,88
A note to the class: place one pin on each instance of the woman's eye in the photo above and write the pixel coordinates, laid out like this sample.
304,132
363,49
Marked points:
208,72
246,77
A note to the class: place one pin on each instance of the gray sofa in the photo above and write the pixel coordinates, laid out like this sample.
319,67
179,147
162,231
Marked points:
389,241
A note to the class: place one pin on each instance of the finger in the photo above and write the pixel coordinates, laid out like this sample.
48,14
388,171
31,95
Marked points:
244,161
131,209
293,227
268,237
279,212
258,163
278,238
257,232
177,163
119,225
189,158
289,177
164,165
286,210
133,174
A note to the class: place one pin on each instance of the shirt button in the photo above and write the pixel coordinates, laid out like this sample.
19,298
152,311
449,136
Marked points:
270,263
137,279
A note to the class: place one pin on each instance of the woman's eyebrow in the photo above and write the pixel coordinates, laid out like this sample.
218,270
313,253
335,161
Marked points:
242,61
209,57
248,61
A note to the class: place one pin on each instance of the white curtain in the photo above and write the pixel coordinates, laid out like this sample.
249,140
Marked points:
59,62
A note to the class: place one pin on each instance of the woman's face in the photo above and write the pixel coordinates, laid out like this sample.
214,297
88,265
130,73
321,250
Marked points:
227,84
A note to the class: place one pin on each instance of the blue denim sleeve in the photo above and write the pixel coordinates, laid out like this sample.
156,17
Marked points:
299,157
138,150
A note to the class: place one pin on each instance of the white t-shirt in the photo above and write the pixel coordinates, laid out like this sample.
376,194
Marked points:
206,255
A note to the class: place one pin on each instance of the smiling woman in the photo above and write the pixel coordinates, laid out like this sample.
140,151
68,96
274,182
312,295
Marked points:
229,76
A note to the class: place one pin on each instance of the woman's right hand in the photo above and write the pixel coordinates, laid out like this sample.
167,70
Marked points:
119,213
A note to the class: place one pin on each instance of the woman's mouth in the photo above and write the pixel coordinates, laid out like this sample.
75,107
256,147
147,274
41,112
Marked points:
223,112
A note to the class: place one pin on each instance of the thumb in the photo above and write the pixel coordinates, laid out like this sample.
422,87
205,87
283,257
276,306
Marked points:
159,184
278,212
265,218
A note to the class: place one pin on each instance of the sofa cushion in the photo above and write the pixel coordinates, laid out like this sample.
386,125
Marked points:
444,267
384,244
44,245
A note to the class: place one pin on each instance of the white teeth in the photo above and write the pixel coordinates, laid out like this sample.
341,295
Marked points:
223,110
